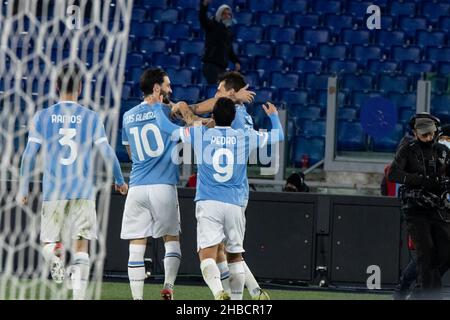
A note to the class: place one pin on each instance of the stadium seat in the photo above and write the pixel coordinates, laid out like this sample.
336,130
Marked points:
249,33
288,6
134,74
326,51
308,65
252,78
191,47
403,8
272,19
352,37
138,14
143,29
357,82
387,22
350,136
269,64
357,9
440,107
411,24
210,91
346,114
308,113
164,60
324,7
322,96
165,15
290,52
154,3
304,20
190,94
284,80
135,60
263,49
281,34
191,18
364,53
315,36
411,67
149,46
338,22
313,149
260,6
376,66
405,115
294,97
359,98
389,38
242,17
389,83
262,96
180,76
411,53
390,142
430,38
342,66
434,10
193,61
316,81
440,83
176,31
438,54
186,4
444,24
444,68
313,129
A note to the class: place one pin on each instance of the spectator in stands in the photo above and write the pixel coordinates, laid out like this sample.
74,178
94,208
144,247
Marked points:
296,183
219,42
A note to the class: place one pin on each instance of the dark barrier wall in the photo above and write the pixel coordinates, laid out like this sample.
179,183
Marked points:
290,234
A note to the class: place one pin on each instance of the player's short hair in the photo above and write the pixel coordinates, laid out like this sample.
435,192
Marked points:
149,78
69,78
233,80
224,112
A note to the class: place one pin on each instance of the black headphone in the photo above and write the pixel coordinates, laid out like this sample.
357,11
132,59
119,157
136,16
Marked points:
426,115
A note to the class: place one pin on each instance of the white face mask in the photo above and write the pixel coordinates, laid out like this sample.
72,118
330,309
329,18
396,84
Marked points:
445,143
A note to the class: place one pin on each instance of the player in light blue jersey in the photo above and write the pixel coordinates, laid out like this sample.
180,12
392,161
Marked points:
222,155
68,135
151,208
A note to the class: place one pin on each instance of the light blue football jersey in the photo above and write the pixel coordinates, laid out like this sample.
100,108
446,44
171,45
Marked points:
151,148
67,134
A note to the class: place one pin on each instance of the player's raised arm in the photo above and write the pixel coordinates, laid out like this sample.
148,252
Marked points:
261,139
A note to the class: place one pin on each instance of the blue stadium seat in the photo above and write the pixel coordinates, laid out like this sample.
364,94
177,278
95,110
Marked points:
350,36
294,96
315,36
352,81
186,4
269,64
126,91
411,67
242,17
338,22
164,60
190,94
337,51
411,24
304,20
405,115
138,14
342,66
210,91
316,81
143,29
191,47
272,19
165,15
438,54
260,6
403,100
252,78
434,10
357,9
149,46
290,52
284,80
403,8
308,65
439,84
249,33
191,18
444,68
389,38
359,98
347,114
134,74
350,136
308,113
313,128
411,53
313,148
444,24
390,142
393,83
135,60
376,66
364,53
281,34
440,107
262,49
262,96
180,76
175,31
193,61
387,22
324,7
322,96
288,6
430,38
154,3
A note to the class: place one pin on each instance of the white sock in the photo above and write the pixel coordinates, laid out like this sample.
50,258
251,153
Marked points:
171,263
136,270
211,275
237,279
48,251
80,275
250,282
225,275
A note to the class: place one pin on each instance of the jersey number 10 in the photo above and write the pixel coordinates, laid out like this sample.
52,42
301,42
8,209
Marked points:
141,140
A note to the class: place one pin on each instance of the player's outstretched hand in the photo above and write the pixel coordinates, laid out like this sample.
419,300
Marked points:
245,95
23,200
123,189
270,108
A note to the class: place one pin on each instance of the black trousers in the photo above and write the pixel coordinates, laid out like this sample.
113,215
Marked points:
431,237
212,72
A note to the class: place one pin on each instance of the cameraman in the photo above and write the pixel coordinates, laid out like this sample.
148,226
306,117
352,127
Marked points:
421,164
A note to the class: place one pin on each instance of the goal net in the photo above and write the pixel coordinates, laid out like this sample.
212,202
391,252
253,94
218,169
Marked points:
38,37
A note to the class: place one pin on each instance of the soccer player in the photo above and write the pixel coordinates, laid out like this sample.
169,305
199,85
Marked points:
68,135
222,154
151,208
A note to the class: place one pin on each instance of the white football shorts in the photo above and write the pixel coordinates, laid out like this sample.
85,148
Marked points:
220,222
151,211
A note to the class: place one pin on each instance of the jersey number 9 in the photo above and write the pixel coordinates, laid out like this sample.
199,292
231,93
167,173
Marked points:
224,173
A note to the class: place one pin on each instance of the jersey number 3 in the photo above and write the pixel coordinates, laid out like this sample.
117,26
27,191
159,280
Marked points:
143,137
66,140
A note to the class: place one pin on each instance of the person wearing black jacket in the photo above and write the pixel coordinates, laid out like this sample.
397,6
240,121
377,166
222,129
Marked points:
219,42
420,165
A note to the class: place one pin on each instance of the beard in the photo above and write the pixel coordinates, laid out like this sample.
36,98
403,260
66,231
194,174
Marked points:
166,97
